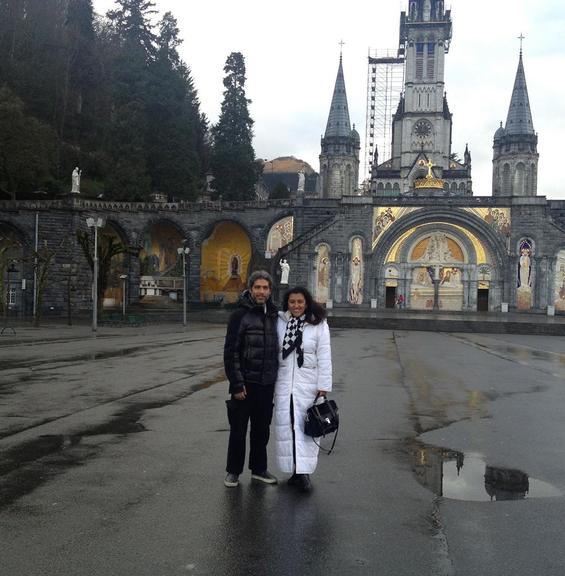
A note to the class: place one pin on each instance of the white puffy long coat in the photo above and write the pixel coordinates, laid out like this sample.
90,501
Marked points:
302,384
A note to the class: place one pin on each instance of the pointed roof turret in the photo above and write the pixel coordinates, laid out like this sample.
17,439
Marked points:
338,120
519,119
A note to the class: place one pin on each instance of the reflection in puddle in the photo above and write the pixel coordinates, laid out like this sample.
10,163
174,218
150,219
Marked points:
459,476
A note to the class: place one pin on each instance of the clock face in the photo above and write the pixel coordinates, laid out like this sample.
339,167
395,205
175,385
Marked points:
422,129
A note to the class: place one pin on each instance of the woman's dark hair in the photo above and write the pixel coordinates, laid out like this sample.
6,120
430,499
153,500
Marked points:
315,312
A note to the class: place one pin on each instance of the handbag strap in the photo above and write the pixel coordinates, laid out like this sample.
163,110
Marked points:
325,450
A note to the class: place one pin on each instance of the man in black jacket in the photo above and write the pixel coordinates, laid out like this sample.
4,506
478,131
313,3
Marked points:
251,363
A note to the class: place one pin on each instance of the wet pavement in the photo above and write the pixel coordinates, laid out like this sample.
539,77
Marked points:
449,460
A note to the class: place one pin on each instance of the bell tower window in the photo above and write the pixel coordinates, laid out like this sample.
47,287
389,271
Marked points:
430,63
419,60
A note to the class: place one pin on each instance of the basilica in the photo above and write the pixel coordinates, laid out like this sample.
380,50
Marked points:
413,235
418,235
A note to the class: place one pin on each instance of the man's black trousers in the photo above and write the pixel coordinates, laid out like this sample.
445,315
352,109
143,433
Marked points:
256,408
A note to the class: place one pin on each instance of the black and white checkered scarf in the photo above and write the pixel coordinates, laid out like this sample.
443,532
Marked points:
293,339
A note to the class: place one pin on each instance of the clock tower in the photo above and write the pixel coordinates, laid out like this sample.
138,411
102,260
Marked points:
422,124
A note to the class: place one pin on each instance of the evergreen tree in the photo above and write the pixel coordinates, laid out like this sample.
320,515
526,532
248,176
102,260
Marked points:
134,44
174,121
233,158
81,75
27,148
131,21
105,94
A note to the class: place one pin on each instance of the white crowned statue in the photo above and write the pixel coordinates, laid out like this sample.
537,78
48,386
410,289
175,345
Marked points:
76,181
285,271
301,180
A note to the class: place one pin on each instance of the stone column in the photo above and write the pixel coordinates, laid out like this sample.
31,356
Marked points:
436,287
405,277
473,287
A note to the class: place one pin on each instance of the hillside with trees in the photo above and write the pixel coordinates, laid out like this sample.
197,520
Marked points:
111,95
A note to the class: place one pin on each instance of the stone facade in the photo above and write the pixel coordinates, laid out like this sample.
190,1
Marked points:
58,222
330,222
420,240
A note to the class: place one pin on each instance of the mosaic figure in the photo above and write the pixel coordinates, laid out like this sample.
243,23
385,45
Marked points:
323,275
355,295
559,283
524,279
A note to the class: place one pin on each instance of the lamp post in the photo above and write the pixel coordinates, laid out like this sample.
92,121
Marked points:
8,297
184,252
123,278
95,223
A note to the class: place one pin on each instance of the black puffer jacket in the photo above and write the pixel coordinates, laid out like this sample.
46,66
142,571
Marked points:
251,346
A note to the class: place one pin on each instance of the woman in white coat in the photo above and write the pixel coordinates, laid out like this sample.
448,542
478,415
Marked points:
305,372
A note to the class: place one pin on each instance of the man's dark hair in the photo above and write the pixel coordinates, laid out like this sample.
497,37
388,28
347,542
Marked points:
315,312
260,275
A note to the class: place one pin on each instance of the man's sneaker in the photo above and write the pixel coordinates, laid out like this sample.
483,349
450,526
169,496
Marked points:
232,480
264,476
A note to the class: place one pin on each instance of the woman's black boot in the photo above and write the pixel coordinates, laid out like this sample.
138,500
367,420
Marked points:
294,480
305,484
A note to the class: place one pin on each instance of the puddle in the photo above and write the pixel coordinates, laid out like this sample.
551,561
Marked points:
469,477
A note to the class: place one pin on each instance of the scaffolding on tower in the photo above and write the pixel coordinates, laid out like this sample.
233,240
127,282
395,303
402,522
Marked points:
385,82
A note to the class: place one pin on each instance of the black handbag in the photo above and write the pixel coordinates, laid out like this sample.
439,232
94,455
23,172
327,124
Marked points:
322,419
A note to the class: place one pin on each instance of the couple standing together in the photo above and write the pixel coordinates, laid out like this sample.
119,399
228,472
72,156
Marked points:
275,357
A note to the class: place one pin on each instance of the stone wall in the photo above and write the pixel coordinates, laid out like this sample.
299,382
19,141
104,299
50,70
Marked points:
331,221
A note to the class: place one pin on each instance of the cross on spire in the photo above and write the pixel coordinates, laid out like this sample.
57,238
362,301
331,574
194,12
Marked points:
341,44
521,38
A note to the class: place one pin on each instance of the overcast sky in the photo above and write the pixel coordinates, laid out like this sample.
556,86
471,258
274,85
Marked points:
292,48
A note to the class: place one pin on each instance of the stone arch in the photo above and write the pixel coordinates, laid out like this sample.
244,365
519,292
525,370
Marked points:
227,243
492,241
436,253
380,187
460,247
519,180
280,233
124,235
506,180
160,240
335,180
208,230
120,264
13,248
431,218
7,229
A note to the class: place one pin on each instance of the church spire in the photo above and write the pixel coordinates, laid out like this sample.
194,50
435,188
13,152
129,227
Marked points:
515,155
339,158
519,119
338,120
